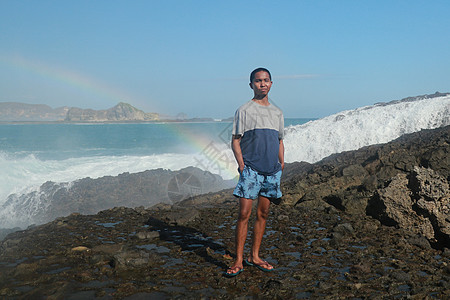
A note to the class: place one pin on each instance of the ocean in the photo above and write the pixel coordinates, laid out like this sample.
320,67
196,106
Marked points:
32,154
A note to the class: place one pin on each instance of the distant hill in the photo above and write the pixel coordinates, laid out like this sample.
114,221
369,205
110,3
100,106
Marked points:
22,112
120,112
16,112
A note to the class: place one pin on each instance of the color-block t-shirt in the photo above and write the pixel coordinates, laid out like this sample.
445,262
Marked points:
261,128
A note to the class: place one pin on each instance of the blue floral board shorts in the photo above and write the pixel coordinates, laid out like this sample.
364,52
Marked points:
251,184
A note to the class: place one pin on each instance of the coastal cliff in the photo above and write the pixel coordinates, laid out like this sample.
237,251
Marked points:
120,112
369,224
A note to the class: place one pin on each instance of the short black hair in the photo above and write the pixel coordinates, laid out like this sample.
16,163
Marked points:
252,75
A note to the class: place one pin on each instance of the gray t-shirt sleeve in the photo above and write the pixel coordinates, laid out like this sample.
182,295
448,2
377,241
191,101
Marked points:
281,128
238,123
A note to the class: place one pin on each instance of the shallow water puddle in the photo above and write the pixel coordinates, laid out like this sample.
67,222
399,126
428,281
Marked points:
269,232
404,288
342,273
24,288
108,225
193,247
303,295
171,262
154,247
99,284
297,255
16,263
322,250
59,270
359,247
104,241
311,241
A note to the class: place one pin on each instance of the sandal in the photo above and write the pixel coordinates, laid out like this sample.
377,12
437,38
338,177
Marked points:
235,273
260,265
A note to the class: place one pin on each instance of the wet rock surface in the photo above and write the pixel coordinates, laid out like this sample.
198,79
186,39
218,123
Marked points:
125,253
320,240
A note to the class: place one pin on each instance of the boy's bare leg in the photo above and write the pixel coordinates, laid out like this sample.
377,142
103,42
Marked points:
245,210
258,231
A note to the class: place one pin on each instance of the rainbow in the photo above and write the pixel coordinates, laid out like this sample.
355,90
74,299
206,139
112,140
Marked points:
208,152
209,155
70,78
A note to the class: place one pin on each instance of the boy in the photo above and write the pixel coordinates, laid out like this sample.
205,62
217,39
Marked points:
257,144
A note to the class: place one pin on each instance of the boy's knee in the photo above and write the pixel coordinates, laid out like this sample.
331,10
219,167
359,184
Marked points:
263,213
244,214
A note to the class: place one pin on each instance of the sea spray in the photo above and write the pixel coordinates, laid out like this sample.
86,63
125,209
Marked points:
27,174
31,207
353,129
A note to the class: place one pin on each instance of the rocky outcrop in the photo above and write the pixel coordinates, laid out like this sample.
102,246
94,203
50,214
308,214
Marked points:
415,98
349,179
119,113
418,202
89,196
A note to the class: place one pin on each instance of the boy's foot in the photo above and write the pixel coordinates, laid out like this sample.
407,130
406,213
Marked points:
263,265
234,271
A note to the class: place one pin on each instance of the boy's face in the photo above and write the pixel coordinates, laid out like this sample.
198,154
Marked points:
261,84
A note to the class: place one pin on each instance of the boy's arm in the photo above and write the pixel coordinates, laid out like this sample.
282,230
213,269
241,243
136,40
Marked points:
236,147
281,154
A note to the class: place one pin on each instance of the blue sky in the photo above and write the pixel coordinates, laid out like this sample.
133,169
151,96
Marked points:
195,56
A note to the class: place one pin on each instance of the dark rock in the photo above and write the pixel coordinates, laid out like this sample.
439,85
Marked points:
354,170
89,196
349,179
336,239
5,231
131,259
429,185
418,202
343,229
401,276
363,268
420,241
446,252
282,218
357,182
272,285
180,216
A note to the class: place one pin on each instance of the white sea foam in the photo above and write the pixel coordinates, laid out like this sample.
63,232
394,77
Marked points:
28,173
353,129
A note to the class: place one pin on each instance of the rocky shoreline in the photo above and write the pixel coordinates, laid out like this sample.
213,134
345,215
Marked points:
89,196
327,239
